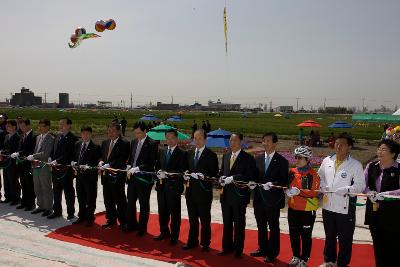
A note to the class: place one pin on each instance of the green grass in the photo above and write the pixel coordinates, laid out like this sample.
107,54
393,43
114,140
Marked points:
255,124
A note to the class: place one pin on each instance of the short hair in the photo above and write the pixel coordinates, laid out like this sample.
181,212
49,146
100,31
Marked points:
12,123
141,125
115,125
202,132
25,121
174,131
45,121
273,135
393,146
68,120
240,135
347,137
86,128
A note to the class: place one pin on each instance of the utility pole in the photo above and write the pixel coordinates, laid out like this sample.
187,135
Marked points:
324,103
45,97
363,100
297,103
131,100
270,106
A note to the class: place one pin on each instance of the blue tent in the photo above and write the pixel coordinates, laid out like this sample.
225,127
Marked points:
340,124
219,133
217,142
149,117
175,118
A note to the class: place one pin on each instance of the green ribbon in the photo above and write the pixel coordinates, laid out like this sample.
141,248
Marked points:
144,180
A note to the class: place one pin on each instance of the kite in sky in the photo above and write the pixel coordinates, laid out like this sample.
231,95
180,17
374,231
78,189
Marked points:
225,32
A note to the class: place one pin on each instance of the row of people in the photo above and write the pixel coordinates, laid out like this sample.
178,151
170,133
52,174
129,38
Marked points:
339,179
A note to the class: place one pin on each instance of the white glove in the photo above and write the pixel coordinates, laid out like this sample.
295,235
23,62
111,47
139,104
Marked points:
325,189
194,176
382,195
73,163
222,180
53,163
372,196
134,170
343,190
161,175
101,163
15,155
293,191
105,166
128,167
267,186
30,157
228,180
200,175
252,185
84,167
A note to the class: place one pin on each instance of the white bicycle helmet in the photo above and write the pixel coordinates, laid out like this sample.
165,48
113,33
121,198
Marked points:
303,151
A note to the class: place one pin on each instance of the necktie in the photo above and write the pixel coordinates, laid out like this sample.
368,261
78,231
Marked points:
169,153
196,157
232,161
138,148
39,143
267,162
82,151
110,148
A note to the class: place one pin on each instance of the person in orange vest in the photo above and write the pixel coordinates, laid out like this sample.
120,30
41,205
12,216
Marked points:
303,203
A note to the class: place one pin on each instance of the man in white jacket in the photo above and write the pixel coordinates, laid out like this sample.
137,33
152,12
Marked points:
341,178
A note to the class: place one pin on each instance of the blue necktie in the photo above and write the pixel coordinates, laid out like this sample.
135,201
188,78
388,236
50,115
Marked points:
168,155
267,162
196,158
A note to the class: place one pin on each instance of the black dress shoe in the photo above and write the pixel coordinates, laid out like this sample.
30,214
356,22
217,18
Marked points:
108,224
189,246
126,228
46,213
205,249
53,215
269,260
29,208
70,217
141,233
20,207
224,252
257,253
80,220
13,203
173,241
36,211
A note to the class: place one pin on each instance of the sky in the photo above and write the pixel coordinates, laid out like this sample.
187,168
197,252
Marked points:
340,52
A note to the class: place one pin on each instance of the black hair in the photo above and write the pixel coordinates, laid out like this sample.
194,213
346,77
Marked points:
45,121
347,136
86,128
240,135
202,132
115,125
12,123
174,131
25,121
393,146
273,135
141,125
68,120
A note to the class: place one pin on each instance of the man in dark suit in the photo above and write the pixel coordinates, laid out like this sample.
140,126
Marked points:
273,169
142,159
26,148
114,154
12,188
63,154
237,165
199,194
3,133
170,187
86,157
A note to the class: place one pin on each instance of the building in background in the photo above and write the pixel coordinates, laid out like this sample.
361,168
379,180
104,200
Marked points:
222,106
285,109
63,100
25,98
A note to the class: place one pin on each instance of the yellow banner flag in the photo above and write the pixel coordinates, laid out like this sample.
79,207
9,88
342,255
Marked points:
226,32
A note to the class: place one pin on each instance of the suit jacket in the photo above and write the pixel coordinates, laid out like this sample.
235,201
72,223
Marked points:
244,169
45,151
11,145
147,158
119,155
278,174
176,163
27,147
64,148
91,156
201,191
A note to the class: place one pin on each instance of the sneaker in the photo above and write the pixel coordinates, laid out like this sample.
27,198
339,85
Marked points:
302,263
328,264
294,261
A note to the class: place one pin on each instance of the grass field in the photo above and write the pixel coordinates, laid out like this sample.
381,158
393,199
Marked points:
254,124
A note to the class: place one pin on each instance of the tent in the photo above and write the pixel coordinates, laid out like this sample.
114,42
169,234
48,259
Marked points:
158,133
397,113
309,123
149,117
340,124
376,118
175,118
218,138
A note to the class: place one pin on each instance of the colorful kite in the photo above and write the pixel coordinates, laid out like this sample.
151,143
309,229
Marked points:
226,32
80,35
102,25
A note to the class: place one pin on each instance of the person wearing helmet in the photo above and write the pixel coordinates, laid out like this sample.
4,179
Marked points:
303,203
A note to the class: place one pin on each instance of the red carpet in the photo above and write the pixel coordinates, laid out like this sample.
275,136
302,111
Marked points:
115,241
